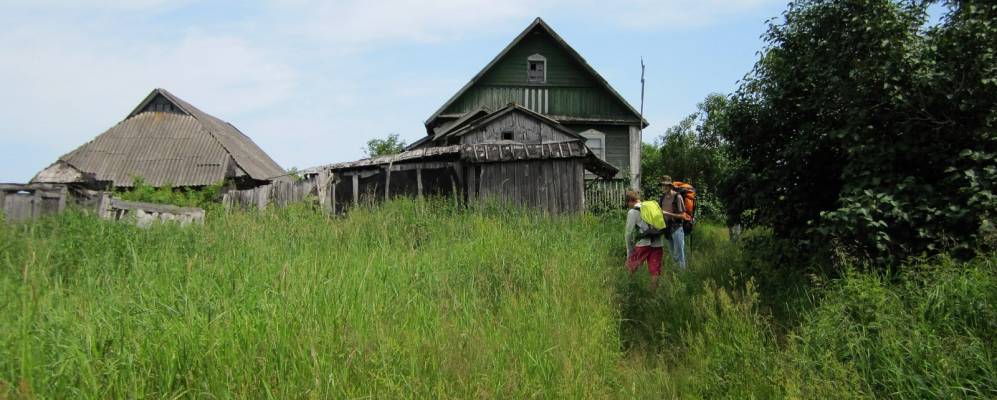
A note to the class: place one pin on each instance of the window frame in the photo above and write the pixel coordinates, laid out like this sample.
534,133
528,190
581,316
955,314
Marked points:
536,58
591,134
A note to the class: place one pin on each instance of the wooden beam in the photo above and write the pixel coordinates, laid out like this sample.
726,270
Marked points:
356,190
387,183
635,145
62,199
418,180
334,180
36,204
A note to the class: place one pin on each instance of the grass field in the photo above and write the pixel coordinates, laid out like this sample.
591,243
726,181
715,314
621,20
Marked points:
415,300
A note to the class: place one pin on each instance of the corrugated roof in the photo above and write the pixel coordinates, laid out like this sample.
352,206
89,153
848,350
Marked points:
246,153
186,147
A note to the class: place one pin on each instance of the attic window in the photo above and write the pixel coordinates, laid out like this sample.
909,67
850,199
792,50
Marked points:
536,69
506,135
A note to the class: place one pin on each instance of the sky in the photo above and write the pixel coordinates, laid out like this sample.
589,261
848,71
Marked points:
311,81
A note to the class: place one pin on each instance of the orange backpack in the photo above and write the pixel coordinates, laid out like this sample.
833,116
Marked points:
689,194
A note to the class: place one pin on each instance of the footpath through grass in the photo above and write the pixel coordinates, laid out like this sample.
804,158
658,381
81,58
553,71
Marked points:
415,300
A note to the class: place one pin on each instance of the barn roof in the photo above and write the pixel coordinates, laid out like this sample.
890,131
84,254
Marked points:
537,23
502,151
165,140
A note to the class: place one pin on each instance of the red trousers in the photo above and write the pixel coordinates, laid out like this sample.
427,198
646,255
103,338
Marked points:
646,253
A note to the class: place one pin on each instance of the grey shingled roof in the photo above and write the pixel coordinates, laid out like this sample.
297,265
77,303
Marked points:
183,147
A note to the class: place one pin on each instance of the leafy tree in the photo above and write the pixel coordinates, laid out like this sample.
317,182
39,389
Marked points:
383,147
862,126
694,151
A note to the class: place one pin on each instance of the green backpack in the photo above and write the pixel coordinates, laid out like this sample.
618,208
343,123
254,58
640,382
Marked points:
650,213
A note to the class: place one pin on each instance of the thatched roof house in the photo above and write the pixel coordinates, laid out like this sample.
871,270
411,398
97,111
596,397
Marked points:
165,140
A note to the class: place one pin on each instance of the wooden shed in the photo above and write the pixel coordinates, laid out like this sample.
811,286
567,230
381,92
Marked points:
513,155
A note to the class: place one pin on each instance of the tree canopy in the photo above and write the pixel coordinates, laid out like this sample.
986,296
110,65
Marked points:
383,147
865,127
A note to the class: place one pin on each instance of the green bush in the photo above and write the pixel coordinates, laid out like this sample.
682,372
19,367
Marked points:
206,197
863,127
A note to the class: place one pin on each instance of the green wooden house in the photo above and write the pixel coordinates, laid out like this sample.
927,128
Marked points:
541,72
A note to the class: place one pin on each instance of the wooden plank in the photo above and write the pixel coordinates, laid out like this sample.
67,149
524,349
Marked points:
36,204
580,181
387,183
332,196
356,190
418,180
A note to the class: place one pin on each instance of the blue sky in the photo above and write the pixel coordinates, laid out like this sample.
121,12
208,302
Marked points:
312,81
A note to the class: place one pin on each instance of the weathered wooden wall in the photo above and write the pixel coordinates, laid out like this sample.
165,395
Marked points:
524,129
367,186
21,202
276,194
552,185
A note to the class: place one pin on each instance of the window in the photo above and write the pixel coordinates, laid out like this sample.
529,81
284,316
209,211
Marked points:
506,135
536,69
596,141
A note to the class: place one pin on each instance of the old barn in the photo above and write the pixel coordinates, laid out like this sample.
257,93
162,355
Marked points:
512,155
165,140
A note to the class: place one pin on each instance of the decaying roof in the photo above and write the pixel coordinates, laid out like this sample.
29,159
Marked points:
164,140
502,151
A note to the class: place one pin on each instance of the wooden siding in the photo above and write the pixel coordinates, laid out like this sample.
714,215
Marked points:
23,202
551,185
570,89
278,193
525,129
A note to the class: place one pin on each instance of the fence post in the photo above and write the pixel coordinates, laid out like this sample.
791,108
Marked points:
356,190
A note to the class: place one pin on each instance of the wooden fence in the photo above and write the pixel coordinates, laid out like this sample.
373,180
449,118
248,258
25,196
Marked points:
21,202
276,194
604,195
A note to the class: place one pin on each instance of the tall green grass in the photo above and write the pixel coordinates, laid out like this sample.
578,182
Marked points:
414,299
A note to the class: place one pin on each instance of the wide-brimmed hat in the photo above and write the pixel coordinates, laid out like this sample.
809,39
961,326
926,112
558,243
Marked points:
666,180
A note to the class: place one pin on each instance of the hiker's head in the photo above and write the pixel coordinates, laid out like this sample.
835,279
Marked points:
666,183
632,198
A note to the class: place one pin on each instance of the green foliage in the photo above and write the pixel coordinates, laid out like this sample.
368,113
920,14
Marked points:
863,128
931,335
205,197
419,299
295,174
692,151
384,147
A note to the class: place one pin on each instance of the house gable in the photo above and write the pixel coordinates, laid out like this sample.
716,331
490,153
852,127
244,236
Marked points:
571,91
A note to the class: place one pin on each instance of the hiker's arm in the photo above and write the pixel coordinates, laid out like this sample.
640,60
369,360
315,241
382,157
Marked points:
628,235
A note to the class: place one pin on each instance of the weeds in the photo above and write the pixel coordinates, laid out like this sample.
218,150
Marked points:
413,299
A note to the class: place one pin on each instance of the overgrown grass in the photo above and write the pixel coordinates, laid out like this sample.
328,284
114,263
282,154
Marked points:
415,300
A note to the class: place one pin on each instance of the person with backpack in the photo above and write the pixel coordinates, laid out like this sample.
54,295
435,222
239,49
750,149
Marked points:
678,220
644,236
